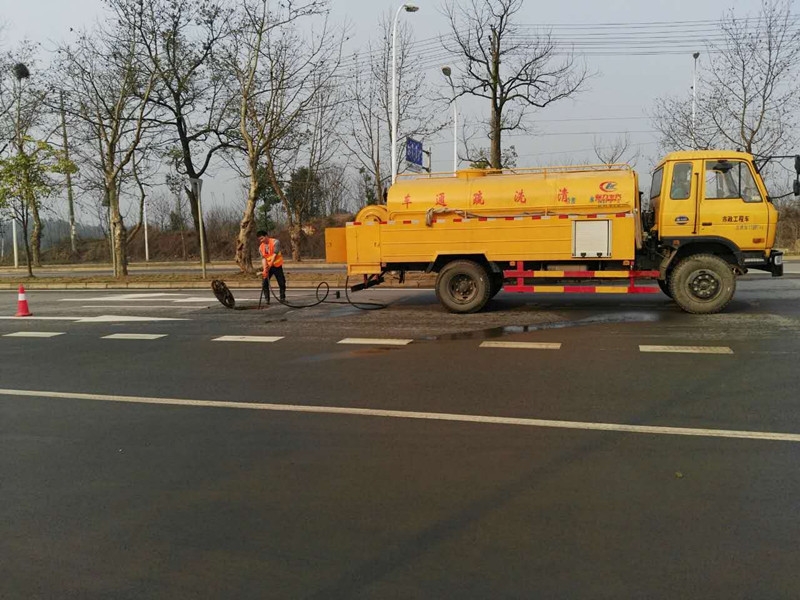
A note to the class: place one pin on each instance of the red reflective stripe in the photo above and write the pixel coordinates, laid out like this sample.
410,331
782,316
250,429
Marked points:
563,216
356,223
510,218
591,216
482,219
644,289
621,215
645,274
383,222
536,217
457,220
406,222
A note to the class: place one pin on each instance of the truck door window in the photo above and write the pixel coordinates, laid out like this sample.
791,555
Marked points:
726,179
681,181
655,186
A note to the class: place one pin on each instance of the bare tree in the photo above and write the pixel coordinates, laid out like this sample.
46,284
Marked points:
513,70
108,89
749,87
368,134
276,84
618,150
23,120
179,39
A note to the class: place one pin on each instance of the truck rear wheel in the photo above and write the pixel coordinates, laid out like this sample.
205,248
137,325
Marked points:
463,286
702,284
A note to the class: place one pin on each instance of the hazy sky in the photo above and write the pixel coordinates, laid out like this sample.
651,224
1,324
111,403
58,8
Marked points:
616,101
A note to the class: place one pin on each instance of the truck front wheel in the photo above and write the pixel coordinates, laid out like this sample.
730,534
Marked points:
702,284
463,287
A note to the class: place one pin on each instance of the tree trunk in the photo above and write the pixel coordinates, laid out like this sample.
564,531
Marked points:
496,158
27,243
119,235
295,238
244,257
70,195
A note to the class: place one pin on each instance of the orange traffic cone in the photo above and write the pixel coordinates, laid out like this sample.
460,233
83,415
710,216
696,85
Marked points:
22,305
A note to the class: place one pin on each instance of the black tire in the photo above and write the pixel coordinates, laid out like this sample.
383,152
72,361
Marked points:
702,284
663,284
495,283
463,287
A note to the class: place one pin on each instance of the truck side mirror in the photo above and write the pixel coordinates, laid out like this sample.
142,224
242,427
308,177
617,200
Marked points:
797,164
796,187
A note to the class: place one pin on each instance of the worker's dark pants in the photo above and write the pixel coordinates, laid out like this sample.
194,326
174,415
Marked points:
279,277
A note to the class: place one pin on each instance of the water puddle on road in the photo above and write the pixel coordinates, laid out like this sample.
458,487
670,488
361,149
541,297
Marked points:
496,332
359,353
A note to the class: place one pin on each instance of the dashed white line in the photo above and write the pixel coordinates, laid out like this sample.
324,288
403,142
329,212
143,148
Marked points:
35,334
375,341
398,414
687,349
248,338
523,345
134,336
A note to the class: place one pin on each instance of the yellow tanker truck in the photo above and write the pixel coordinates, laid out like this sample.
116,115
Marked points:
579,229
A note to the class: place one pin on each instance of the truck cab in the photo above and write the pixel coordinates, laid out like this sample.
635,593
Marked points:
711,207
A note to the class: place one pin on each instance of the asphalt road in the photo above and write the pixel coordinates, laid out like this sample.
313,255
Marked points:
629,450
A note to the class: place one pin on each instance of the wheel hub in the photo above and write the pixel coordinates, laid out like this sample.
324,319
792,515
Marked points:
704,285
462,288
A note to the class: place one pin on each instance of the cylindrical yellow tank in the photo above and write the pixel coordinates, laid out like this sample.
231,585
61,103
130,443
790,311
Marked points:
554,190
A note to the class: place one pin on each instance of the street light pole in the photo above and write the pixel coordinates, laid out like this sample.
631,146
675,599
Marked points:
408,8
447,73
696,55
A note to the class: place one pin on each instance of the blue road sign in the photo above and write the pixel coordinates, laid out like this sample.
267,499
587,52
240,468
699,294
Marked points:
414,152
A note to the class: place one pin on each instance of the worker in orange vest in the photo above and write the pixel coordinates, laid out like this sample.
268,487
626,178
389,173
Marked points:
271,263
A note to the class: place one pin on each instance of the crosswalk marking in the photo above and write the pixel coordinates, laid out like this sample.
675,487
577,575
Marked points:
523,345
248,338
134,336
375,341
35,334
687,349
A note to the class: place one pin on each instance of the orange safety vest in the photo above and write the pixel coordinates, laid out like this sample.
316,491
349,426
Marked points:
267,249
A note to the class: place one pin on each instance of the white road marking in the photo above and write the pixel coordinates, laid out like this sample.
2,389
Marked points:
523,345
125,319
122,298
375,341
134,336
399,414
140,307
248,338
35,334
100,319
688,349
42,318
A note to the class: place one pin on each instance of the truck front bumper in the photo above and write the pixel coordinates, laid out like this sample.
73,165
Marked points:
776,263
772,263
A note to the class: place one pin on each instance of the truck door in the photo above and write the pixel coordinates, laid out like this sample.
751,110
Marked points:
732,206
679,200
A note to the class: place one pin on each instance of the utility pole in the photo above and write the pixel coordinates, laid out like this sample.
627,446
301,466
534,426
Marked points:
696,55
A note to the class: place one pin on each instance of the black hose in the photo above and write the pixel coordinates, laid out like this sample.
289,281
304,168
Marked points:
324,298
